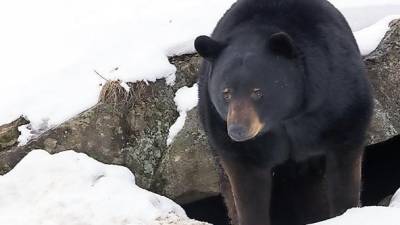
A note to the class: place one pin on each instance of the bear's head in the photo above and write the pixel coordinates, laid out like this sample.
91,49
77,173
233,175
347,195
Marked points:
255,83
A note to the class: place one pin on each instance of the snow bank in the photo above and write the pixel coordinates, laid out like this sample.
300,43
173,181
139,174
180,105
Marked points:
395,202
369,19
369,38
185,100
373,215
341,4
363,16
72,188
50,49
366,216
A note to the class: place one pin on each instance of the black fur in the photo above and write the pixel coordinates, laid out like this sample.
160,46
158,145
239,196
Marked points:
207,47
282,44
316,106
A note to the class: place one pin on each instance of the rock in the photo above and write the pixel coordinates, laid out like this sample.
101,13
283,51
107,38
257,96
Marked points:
187,171
9,133
128,129
97,132
381,127
150,114
187,69
383,66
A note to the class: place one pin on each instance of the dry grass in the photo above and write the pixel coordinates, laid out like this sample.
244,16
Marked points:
113,93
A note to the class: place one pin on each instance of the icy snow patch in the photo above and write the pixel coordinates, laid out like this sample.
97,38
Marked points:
369,38
72,188
185,99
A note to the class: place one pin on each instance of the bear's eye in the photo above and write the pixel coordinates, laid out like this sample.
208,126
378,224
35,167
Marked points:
256,94
227,94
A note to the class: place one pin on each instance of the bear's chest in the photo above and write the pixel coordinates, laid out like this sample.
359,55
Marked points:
274,148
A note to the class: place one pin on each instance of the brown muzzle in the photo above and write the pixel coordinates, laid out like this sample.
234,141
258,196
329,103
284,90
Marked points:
243,122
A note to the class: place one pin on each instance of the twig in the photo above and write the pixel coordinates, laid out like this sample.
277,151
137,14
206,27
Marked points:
101,75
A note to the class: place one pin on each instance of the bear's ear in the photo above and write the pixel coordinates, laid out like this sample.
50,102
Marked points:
207,47
282,44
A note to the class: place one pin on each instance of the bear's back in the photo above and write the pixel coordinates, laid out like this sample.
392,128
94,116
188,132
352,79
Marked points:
299,18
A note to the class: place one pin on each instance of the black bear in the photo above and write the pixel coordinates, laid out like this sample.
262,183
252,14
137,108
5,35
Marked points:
285,104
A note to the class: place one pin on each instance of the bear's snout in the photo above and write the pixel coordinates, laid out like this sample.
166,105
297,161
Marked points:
243,123
238,132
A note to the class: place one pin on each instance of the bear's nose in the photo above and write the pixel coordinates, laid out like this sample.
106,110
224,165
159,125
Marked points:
238,132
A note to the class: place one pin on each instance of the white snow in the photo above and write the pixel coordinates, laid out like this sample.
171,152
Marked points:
186,99
369,19
372,215
395,201
341,4
72,188
50,49
368,38
362,16
26,134
366,216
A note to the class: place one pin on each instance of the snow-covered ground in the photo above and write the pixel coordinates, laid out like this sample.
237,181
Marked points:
372,215
366,216
50,49
72,188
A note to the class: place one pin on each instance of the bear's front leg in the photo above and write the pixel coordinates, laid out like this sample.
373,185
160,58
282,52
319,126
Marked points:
344,180
251,187
226,191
